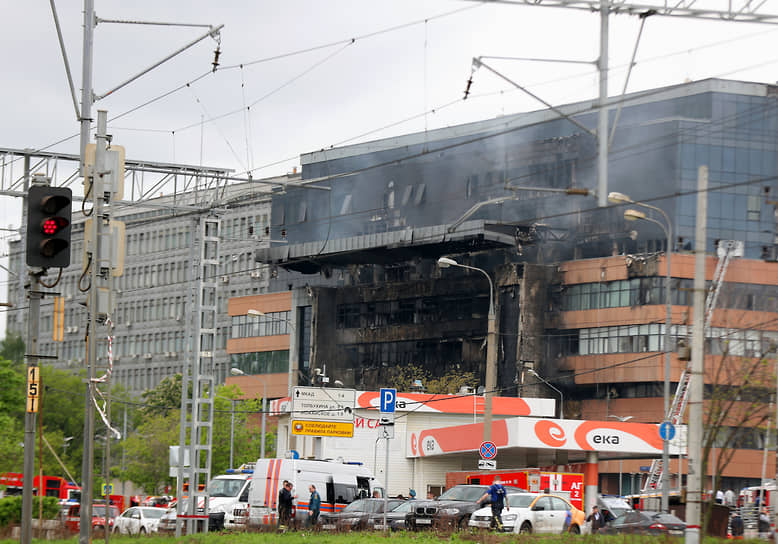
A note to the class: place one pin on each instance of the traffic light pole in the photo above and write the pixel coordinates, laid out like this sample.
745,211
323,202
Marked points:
30,415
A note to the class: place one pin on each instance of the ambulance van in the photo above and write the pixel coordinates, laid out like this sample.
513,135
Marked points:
338,483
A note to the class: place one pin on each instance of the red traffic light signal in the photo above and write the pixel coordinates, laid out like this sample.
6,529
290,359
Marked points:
48,226
52,225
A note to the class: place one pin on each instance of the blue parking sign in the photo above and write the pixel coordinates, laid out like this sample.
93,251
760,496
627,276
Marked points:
388,398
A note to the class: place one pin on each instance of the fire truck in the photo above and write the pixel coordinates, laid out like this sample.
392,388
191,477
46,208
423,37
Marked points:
53,486
531,479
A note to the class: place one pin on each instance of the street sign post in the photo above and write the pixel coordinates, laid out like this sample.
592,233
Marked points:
667,431
323,404
341,429
488,450
388,400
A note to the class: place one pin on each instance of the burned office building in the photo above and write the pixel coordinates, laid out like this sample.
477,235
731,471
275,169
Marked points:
576,286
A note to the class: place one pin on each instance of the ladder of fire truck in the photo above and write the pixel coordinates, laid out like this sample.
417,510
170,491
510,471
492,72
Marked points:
727,249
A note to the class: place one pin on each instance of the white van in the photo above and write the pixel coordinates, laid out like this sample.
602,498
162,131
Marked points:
229,492
338,483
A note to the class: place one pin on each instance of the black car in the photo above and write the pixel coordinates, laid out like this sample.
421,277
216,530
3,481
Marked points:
357,516
396,518
452,509
647,523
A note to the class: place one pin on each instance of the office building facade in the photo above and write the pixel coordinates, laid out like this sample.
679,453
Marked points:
151,310
513,198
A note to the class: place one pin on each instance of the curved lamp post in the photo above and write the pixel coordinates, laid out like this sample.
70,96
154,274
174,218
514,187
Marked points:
561,396
635,215
239,372
491,347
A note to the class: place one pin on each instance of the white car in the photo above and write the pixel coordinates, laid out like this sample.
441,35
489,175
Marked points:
138,520
532,513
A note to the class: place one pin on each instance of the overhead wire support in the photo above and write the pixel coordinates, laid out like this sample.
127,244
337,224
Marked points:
477,62
65,59
155,23
744,11
212,32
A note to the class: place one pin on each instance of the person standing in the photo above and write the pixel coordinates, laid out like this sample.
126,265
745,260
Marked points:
314,506
285,505
763,524
496,495
719,497
729,498
596,518
568,519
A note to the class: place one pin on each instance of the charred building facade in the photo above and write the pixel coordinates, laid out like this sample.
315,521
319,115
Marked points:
578,290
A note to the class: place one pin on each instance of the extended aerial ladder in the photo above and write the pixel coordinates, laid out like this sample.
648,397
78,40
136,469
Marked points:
726,251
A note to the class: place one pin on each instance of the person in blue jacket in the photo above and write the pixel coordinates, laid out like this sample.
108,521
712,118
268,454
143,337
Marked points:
496,496
314,506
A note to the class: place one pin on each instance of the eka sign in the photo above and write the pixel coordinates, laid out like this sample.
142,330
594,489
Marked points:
388,399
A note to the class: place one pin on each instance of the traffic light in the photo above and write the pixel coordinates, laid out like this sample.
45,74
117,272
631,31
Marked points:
48,226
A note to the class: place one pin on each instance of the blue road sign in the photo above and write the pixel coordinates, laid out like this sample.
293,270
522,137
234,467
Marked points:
388,398
667,430
488,450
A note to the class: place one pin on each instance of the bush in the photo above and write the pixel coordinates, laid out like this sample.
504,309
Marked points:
11,509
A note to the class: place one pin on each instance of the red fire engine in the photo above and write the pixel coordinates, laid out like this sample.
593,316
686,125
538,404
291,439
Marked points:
531,479
53,486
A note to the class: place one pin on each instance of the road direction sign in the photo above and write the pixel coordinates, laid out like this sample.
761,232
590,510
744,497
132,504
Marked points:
488,450
667,430
487,464
323,404
388,400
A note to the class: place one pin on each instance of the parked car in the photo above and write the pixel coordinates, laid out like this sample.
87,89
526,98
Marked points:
612,506
533,513
396,518
167,523
645,522
138,520
360,515
452,509
99,523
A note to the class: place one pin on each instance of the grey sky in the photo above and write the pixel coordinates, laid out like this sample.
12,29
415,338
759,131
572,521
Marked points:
330,95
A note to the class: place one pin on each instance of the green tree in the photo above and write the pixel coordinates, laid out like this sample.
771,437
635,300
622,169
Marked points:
147,451
62,416
157,428
247,434
12,408
164,398
12,348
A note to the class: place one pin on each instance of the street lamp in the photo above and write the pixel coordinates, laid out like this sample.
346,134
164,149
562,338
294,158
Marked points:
622,419
232,423
561,396
491,347
239,372
292,380
635,215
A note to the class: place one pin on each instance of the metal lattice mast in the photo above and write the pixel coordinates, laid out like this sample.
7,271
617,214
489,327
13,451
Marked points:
198,378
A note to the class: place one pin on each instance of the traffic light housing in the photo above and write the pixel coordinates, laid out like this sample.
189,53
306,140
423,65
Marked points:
48,226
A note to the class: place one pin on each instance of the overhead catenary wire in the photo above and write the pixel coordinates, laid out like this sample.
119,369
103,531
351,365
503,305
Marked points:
401,26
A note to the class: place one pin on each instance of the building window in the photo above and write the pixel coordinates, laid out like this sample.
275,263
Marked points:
270,324
262,362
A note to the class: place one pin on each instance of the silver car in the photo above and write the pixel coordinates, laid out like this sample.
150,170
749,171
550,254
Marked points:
138,520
